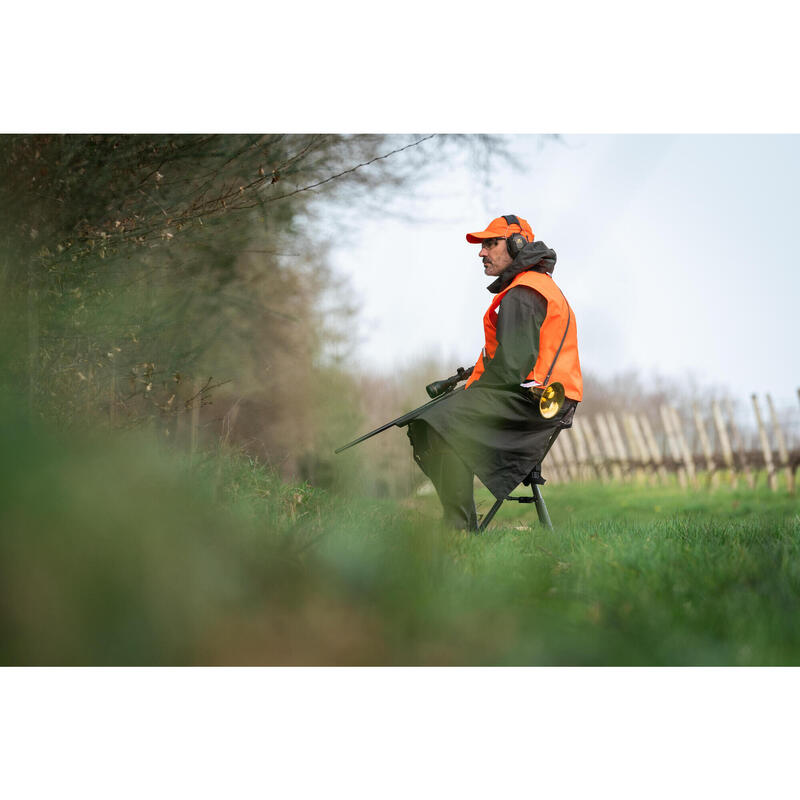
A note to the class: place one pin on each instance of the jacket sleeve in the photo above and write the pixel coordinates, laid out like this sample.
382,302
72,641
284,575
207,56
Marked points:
519,319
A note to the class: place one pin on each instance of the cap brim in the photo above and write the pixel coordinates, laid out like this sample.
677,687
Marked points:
476,238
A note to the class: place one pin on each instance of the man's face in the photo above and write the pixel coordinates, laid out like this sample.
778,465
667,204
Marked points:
495,256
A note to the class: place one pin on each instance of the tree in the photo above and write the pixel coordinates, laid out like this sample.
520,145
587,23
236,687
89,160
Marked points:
141,271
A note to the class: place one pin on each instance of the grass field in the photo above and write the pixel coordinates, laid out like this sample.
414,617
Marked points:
113,552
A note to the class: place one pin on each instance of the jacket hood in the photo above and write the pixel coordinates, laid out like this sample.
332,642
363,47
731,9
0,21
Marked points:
535,255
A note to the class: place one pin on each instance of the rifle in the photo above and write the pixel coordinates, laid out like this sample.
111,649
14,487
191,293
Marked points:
438,390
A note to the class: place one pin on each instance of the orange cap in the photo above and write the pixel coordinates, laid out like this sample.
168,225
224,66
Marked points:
500,229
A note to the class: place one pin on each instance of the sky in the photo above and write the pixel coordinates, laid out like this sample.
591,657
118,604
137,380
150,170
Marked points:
676,252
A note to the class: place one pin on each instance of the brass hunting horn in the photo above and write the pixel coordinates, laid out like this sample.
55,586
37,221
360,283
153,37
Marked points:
551,396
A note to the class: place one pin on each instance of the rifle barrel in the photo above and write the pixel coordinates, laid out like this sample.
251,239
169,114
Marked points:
399,422
365,436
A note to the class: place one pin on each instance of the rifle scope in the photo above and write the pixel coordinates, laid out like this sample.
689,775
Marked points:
446,384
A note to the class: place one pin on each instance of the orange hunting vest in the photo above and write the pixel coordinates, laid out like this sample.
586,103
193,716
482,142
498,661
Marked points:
568,368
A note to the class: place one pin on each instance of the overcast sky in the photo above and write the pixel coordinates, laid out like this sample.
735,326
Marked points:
677,253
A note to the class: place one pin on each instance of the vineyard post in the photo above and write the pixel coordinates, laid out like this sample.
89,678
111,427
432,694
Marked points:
738,442
705,443
608,447
553,464
569,455
561,459
724,443
765,447
619,446
781,442
597,456
672,441
684,447
655,452
647,459
637,460
587,467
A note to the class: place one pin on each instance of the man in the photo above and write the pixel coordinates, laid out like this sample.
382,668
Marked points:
493,429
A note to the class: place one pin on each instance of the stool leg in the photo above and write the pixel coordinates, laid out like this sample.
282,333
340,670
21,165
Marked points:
488,518
541,508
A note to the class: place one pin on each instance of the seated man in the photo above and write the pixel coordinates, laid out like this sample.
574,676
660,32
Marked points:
493,429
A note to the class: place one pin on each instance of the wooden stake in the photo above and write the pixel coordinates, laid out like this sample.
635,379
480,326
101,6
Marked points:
655,452
552,461
738,443
672,441
781,442
684,447
637,460
594,449
608,446
647,459
724,442
587,468
705,443
641,446
616,436
563,462
772,478
569,454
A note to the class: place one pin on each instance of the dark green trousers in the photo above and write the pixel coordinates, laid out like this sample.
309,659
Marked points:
449,475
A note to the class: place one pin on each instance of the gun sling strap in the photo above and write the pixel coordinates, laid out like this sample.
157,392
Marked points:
563,339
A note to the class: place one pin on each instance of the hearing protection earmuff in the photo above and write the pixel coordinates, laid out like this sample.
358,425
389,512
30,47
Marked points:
516,241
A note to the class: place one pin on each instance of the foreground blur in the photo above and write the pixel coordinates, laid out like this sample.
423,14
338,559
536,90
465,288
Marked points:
115,551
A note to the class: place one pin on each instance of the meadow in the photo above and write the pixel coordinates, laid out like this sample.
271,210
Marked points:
116,551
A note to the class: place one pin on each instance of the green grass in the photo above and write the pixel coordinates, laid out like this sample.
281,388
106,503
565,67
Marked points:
114,552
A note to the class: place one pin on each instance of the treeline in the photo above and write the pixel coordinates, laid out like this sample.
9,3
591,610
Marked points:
181,282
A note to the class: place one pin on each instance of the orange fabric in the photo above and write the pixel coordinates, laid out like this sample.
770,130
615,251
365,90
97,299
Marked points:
568,368
500,229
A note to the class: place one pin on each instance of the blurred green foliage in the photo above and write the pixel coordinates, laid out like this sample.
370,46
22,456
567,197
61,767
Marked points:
115,551
135,267
145,276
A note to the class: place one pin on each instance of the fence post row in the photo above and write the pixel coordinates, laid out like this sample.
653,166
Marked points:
595,448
